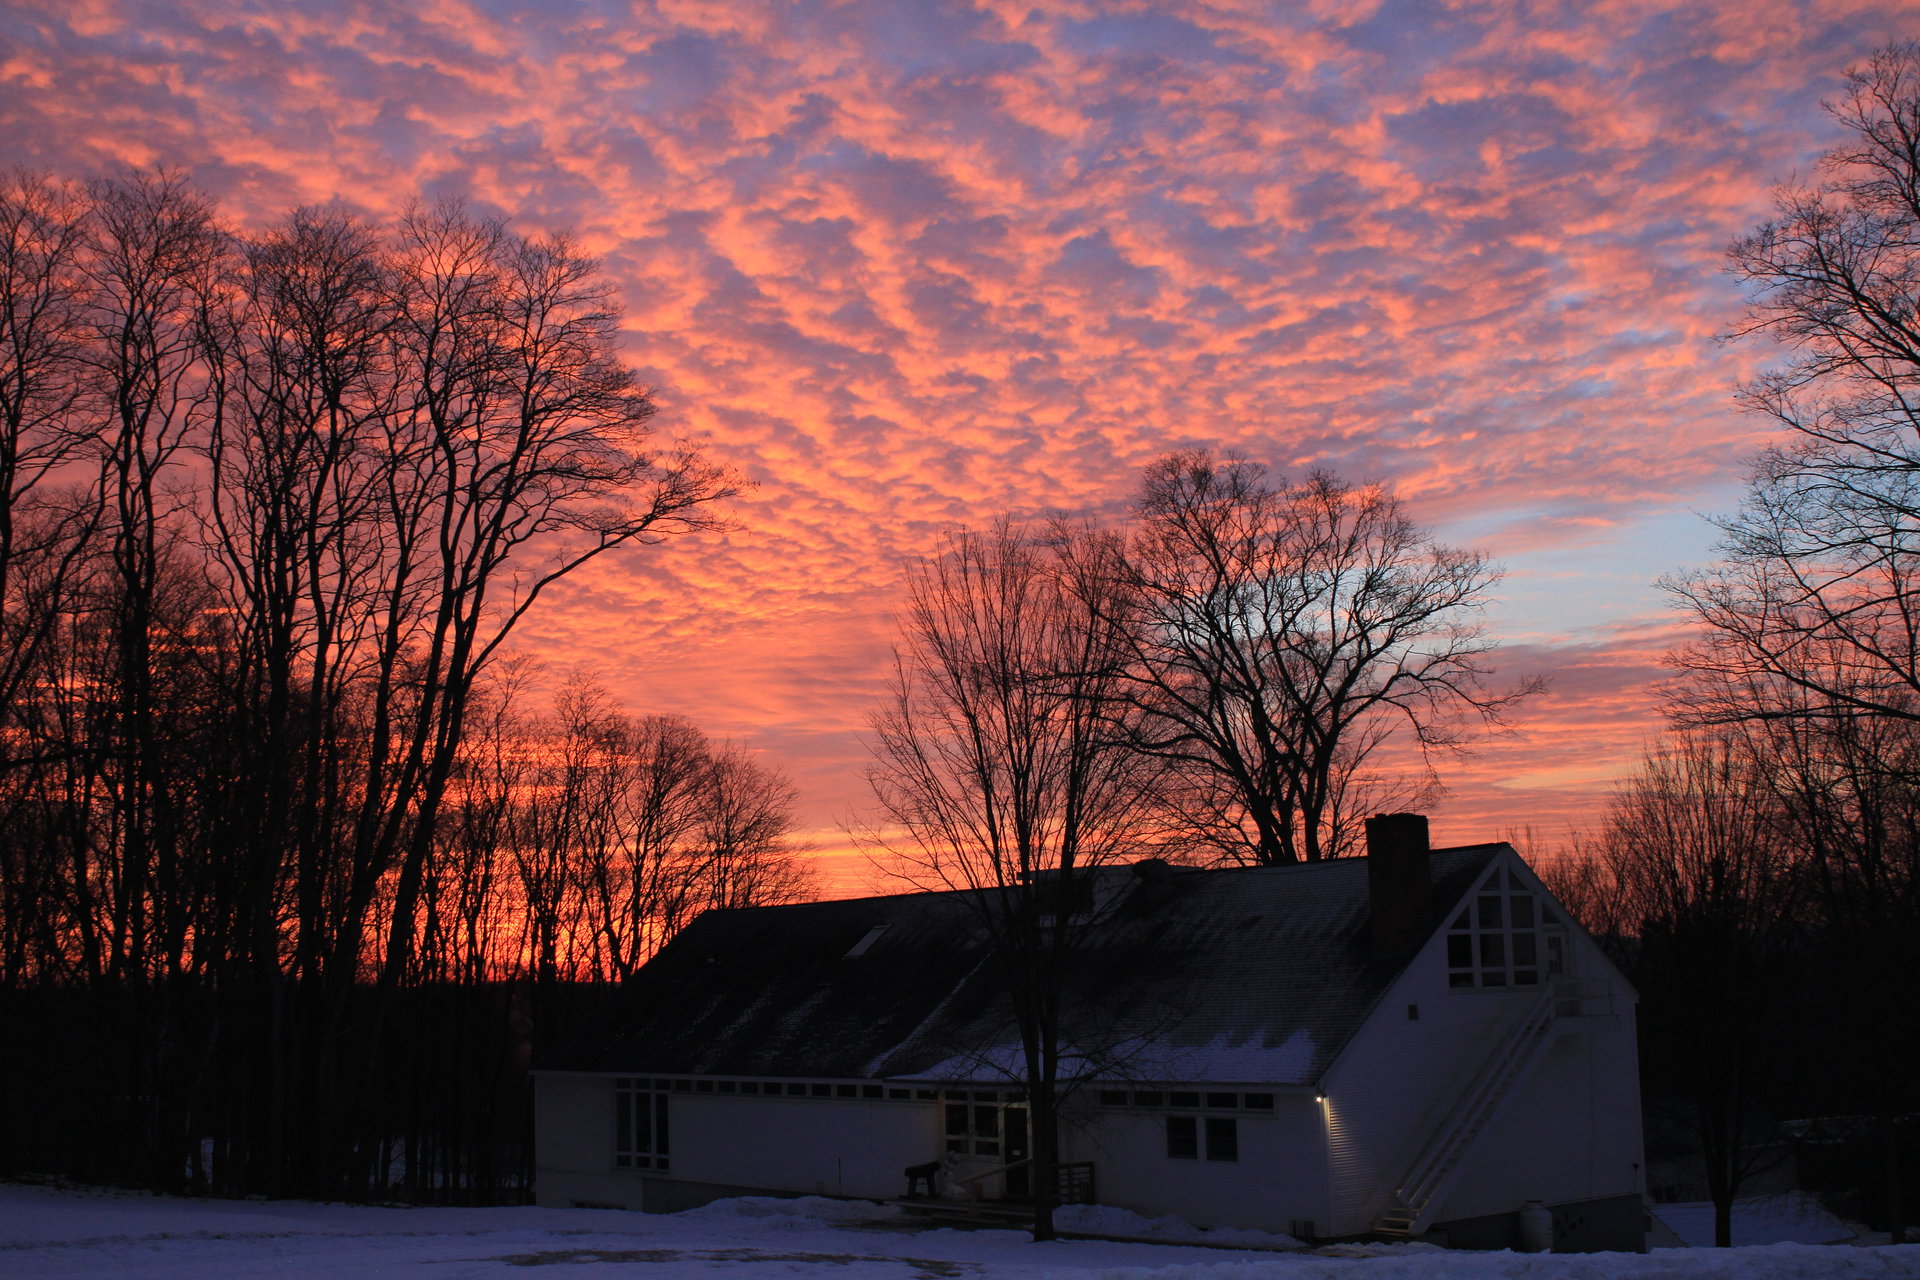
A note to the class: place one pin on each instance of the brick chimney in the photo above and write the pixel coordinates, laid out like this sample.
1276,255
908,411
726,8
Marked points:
1399,880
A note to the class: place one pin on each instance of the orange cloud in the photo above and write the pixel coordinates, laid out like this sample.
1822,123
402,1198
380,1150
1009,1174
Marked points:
912,266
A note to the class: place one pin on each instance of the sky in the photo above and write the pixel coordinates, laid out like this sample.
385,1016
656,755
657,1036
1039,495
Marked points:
910,266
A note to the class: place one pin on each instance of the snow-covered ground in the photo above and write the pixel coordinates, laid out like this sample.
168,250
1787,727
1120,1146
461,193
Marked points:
46,1232
1792,1218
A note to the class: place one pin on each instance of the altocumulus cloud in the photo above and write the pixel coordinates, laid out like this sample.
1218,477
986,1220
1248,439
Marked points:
912,265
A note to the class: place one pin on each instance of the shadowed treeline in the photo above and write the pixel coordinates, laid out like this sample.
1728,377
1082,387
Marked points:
288,886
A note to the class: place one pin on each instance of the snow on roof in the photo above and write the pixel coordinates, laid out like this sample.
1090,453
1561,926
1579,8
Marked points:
1252,975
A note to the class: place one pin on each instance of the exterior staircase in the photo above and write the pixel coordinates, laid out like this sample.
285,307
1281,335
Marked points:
1409,1212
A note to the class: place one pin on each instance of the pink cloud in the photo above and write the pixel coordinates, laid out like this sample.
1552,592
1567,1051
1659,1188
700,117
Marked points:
910,266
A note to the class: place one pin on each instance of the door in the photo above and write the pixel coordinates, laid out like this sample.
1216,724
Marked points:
1020,1180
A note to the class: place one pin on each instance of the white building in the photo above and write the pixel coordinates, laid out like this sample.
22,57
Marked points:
1410,1042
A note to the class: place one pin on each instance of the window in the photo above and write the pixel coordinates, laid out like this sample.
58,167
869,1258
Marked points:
639,1124
973,1128
1222,1133
1506,937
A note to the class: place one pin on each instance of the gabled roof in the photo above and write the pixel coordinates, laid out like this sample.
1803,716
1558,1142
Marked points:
1237,975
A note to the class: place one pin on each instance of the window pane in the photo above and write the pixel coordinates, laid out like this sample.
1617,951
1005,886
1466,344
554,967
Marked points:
1183,1099
623,1121
1522,909
1494,978
1112,1098
1223,1099
660,1126
986,1148
1489,913
1264,1101
1525,948
1462,979
986,1122
1183,1138
1223,1138
956,1119
1459,951
1493,951
1146,1099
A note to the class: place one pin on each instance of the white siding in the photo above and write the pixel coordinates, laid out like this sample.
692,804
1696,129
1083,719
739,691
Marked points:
813,1146
573,1143
820,1146
1280,1178
1398,1078
1570,1130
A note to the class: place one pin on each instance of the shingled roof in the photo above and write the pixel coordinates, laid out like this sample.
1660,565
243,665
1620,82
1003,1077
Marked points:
1237,975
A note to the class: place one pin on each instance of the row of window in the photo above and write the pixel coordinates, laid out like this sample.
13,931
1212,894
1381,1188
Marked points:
1157,1098
1182,1098
977,1122
807,1089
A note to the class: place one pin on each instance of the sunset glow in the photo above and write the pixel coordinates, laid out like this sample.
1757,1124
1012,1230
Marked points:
910,266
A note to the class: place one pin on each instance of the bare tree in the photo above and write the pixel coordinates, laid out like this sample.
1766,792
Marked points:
1809,635
625,829
1280,635
998,765
44,536
332,467
1703,873
1823,551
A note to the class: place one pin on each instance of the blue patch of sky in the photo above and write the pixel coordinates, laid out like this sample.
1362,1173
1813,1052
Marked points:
1424,32
1571,582
1150,35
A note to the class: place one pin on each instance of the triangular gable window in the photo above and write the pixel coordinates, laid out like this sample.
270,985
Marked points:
1506,938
